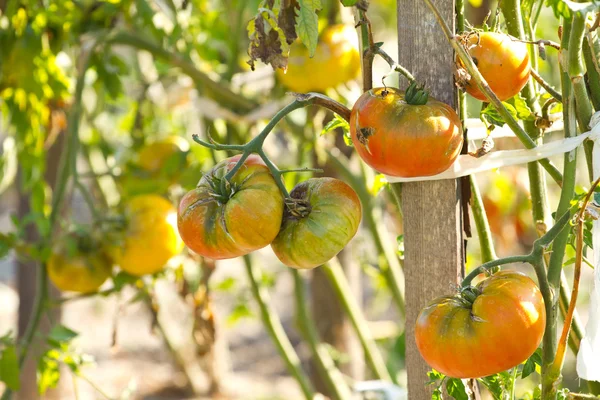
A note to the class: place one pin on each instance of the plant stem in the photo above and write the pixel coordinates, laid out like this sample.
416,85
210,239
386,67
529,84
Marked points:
490,95
389,263
65,169
550,382
256,145
217,91
576,72
551,91
275,329
495,263
591,48
554,370
535,258
338,281
329,372
481,223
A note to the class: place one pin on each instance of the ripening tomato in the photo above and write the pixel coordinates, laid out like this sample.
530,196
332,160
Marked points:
405,134
223,218
79,264
169,152
484,329
502,61
150,237
336,61
322,217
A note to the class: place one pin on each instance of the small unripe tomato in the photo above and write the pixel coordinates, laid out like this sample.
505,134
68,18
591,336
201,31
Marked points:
226,218
502,61
167,152
322,216
485,329
336,61
405,134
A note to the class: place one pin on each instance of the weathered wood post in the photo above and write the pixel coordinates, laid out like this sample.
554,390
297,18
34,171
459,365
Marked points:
432,212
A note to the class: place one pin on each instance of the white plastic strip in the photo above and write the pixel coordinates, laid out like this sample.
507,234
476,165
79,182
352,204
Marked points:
588,358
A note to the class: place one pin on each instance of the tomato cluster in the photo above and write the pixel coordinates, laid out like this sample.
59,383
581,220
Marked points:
142,244
226,218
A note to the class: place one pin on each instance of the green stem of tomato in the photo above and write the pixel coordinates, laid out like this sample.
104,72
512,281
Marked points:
535,258
466,59
255,146
275,329
338,281
591,49
328,371
583,104
551,91
219,92
481,223
389,264
550,379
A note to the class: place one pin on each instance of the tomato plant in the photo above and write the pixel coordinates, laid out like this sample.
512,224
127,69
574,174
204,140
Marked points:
149,238
405,134
226,218
323,215
336,61
503,62
485,329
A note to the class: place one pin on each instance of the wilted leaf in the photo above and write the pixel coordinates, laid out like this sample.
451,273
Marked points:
267,40
48,374
287,19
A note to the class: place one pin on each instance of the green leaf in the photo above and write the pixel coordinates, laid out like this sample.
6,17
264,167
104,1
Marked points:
225,285
9,368
307,24
240,311
434,376
529,366
497,384
61,335
123,279
336,122
523,111
48,374
456,389
436,395
349,3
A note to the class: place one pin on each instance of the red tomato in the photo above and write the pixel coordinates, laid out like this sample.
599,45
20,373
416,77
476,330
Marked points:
502,61
483,330
221,219
405,135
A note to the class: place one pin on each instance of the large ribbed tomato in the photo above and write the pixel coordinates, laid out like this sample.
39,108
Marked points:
336,61
502,61
225,219
405,134
483,330
321,218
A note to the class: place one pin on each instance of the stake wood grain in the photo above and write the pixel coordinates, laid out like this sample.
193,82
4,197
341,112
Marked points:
432,214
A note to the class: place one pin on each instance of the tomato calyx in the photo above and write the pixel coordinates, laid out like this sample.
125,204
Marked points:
468,295
416,95
297,205
221,188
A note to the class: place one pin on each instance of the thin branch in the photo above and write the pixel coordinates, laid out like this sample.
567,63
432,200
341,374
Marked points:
551,91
